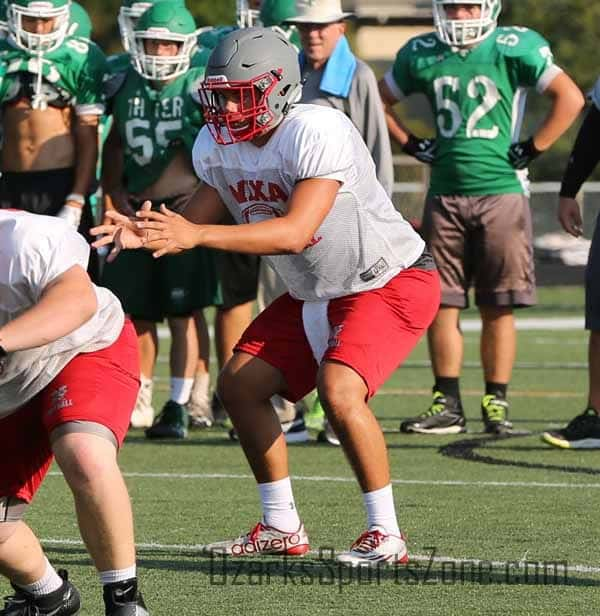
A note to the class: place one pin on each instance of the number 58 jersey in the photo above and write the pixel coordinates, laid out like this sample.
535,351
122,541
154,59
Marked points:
477,97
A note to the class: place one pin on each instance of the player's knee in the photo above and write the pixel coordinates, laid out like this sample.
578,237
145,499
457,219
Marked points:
336,399
82,466
12,511
231,388
238,386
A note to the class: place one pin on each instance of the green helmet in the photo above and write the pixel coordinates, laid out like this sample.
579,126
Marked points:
80,22
130,12
165,21
275,12
44,9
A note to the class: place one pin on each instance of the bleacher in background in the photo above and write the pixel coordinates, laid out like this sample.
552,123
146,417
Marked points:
386,10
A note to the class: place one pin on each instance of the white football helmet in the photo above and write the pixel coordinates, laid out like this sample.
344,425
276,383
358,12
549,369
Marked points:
465,32
58,10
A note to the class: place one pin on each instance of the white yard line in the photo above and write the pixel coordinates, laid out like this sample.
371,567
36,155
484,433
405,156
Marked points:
508,565
418,482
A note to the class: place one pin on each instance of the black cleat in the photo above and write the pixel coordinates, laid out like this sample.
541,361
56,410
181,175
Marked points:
124,599
494,413
444,416
171,423
582,432
65,601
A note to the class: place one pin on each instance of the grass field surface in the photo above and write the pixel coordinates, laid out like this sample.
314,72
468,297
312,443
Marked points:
494,526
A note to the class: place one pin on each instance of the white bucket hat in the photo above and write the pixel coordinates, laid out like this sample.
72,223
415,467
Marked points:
318,12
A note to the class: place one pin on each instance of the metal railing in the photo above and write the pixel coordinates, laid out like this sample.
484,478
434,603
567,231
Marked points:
409,196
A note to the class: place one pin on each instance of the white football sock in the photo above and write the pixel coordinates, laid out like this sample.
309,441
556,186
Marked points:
48,583
181,389
279,508
381,511
117,575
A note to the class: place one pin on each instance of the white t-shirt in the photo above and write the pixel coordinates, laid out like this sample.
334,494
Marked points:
35,250
363,241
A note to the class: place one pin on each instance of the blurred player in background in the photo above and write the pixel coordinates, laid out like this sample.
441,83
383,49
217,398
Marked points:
583,431
51,100
147,155
477,220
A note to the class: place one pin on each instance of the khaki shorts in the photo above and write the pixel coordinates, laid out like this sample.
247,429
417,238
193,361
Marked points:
484,242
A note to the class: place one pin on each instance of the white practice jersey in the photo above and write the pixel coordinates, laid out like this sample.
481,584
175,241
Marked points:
34,251
363,241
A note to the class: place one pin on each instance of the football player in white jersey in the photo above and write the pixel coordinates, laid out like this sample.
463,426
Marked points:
300,183
68,383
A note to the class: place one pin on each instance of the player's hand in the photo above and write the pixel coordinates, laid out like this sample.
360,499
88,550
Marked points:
520,154
120,231
423,150
168,233
70,214
569,216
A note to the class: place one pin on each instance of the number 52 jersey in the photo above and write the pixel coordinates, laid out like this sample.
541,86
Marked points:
477,97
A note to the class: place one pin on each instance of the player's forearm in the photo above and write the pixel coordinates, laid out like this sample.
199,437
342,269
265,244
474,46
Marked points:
269,237
395,128
585,155
86,138
567,103
65,306
112,163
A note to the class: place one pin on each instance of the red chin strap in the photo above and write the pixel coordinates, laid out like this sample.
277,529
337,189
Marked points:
253,116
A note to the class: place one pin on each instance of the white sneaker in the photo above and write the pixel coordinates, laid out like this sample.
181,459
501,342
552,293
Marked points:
143,413
375,547
199,412
328,435
263,539
286,410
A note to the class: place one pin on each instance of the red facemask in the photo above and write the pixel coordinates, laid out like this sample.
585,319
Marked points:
253,116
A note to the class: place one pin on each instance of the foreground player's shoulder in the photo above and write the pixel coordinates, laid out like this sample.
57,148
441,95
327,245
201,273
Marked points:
43,244
516,41
315,124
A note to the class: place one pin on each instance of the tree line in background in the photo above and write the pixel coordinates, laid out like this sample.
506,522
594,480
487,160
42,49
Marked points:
571,26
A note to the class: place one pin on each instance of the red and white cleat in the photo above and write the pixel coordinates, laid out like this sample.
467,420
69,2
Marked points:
263,539
375,547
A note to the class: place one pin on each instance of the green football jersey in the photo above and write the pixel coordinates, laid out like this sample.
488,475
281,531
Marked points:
71,75
155,123
478,99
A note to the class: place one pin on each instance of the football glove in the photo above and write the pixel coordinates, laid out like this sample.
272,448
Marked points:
422,149
520,154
